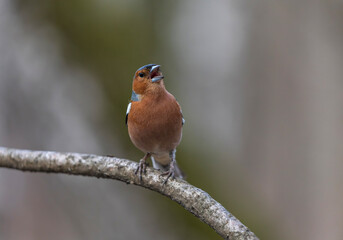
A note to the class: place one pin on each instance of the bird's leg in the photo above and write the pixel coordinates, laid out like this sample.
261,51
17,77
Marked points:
142,166
171,171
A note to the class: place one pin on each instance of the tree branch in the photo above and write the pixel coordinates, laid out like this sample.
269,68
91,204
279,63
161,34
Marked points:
193,199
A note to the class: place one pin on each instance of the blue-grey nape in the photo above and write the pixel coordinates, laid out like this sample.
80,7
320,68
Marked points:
148,66
134,96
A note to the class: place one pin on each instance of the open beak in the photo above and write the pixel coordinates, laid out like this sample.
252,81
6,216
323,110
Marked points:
155,74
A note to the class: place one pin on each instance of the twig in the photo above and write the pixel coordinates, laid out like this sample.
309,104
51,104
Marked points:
193,199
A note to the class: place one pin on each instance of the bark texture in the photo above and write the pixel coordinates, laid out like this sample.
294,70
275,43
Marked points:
193,199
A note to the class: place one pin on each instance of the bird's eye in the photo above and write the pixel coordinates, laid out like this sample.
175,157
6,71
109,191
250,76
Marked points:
141,74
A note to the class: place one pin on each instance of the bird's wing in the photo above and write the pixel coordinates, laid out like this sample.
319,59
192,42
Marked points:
127,112
183,120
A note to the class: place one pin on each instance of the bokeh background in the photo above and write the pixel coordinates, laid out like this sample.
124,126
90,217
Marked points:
260,84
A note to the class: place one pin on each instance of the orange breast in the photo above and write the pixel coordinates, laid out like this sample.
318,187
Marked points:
155,125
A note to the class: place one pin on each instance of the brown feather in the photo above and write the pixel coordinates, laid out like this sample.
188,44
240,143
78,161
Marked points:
155,122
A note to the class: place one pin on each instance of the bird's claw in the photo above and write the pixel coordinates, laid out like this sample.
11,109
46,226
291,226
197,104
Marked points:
170,174
141,169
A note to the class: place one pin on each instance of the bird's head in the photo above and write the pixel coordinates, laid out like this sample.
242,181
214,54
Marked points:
148,77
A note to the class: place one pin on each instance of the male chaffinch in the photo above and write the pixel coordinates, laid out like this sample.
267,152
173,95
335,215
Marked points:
154,119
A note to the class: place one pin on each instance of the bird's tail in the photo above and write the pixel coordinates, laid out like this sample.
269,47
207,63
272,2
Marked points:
165,167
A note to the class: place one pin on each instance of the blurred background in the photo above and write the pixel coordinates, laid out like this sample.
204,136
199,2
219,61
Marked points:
260,84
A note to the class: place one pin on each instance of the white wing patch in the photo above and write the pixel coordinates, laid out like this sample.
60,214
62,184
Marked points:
128,109
127,112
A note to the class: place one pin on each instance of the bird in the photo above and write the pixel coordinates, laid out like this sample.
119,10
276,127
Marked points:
154,120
